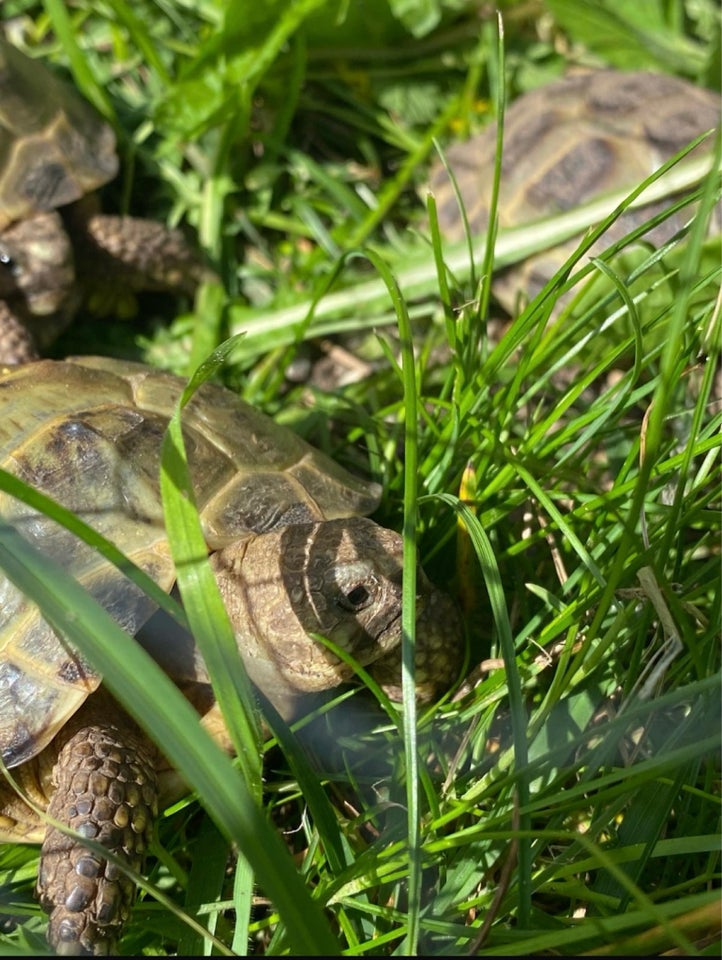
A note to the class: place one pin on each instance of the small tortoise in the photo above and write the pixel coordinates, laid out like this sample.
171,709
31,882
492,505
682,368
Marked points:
56,250
565,144
292,554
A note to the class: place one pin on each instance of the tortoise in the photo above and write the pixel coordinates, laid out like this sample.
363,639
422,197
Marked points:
565,144
56,249
292,552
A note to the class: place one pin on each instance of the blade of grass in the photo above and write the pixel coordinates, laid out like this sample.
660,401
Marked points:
202,601
489,256
416,279
206,612
85,78
519,719
205,880
408,622
155,702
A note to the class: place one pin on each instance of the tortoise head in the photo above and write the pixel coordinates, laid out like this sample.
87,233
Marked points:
338,579
37,272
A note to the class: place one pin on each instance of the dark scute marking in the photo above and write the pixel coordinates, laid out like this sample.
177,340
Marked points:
519,140
268,516
296,513
679,129
144,432
42,187
74,671
610,91
22,746
576,176
260,503
72,439
622,95
71,430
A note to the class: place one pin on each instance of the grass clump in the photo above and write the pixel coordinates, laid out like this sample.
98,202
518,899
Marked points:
558,472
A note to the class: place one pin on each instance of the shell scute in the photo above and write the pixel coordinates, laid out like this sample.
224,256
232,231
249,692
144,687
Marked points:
566,143
54,147
89,434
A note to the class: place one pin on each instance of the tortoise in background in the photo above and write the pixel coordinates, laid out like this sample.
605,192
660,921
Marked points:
566,144
56,249
292,555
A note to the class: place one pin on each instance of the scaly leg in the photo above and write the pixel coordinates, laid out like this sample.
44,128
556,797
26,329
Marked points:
106,790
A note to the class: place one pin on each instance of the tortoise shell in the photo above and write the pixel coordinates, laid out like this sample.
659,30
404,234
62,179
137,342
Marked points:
88,433
54,148
564,145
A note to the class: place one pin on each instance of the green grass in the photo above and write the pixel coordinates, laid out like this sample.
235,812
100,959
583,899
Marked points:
566,797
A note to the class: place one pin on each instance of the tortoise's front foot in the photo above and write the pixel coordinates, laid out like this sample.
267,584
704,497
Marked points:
106,791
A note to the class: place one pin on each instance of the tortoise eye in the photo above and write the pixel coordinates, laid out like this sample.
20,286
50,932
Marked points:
9,266
356,598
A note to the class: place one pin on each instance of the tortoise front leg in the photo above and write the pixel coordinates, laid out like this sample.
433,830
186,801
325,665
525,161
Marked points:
106,790
118,256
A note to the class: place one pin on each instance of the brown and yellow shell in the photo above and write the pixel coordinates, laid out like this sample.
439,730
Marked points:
565,144
54,148
87,432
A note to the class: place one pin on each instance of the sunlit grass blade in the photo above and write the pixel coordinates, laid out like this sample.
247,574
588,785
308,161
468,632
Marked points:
367,302
202,601
160,708
408,621
86,79
519,721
